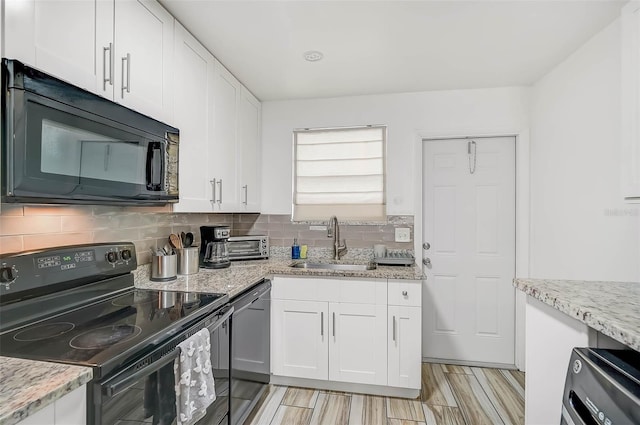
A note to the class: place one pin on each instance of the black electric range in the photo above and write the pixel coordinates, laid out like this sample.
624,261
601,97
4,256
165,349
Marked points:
77,305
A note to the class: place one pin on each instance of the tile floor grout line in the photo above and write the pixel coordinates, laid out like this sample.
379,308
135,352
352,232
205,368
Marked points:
499,409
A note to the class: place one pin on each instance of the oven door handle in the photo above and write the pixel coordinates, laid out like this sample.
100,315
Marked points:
112,389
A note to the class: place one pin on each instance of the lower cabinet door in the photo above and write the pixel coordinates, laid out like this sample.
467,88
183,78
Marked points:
358,343
404,346
299,336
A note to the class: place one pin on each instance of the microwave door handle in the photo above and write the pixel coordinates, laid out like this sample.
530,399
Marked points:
154,166
115,388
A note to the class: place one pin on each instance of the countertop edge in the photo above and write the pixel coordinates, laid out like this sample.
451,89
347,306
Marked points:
55,388
606,325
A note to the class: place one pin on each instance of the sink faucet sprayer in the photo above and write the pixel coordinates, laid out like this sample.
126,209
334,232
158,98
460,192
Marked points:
333,231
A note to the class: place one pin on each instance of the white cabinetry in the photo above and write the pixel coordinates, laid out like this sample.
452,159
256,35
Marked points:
70,409
249,130
405,331
631,100
120,49
236,145
195,73
342,331
329,329
299,338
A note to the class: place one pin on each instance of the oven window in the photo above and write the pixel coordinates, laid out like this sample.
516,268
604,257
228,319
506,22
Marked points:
244,247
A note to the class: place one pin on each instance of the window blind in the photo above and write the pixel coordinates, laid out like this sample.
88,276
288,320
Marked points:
339,172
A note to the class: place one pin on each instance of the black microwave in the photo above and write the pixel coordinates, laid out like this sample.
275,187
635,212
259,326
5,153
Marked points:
63,144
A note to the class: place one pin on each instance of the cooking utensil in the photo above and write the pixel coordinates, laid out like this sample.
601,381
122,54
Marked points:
188,240
167,249
183,237
175,241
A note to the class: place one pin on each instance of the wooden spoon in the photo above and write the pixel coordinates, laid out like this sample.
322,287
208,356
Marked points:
175,241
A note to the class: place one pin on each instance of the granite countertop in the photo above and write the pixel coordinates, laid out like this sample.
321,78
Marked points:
612,308
244,274
27,386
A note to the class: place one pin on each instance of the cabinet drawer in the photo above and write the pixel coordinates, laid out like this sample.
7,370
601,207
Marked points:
405,292
331,290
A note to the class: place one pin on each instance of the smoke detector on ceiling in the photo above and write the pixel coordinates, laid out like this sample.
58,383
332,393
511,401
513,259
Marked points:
313,55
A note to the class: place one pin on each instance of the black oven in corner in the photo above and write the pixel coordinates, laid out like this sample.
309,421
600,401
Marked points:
63,144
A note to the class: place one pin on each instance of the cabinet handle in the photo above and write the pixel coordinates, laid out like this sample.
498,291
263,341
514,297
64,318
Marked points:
126,59
394,328
246,194
220,194
404,293
213,190
106,80
322,323
334,324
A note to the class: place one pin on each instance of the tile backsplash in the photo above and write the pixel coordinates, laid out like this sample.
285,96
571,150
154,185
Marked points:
28,227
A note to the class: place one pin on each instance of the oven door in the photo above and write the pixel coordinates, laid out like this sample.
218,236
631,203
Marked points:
144,392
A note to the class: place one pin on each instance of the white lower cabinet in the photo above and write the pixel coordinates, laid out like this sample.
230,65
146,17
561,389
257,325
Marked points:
358,343
404,319
299,339
70,409
343,331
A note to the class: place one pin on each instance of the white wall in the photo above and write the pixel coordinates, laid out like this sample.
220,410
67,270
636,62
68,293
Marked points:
580,228
407,115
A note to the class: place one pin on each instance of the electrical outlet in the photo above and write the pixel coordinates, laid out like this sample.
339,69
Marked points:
323,228
403,234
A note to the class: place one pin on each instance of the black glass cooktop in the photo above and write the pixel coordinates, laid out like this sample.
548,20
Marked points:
111,332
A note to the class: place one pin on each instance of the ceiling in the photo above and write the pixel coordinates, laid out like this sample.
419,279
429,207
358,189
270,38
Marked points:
395,46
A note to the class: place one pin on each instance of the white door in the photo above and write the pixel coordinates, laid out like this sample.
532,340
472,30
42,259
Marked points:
194,117
225,140
64,38
299,336
249,113
404,346
143,57
358,343
469,223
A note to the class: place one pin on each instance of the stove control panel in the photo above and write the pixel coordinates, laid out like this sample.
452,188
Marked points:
59,265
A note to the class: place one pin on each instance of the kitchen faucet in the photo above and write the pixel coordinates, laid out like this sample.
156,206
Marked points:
333,230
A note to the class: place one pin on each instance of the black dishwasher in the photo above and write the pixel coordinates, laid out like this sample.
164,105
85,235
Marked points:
602,388
250,367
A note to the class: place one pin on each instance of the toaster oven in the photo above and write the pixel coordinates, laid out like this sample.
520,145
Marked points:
248,247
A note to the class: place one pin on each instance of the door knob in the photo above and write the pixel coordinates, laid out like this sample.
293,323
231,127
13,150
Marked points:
426,246
427,262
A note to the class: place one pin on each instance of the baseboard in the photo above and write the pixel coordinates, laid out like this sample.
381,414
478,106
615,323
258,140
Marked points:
471,364
346,387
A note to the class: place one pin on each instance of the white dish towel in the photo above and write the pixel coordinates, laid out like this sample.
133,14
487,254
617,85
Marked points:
195,388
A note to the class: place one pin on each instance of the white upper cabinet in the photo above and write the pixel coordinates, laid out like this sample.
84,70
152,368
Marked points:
631,100
249,130
143,50
39,33
119,49
225,140
193,115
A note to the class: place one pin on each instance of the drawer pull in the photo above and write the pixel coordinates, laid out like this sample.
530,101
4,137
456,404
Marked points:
404,293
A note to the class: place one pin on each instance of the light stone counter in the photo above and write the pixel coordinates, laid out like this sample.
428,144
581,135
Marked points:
242,275
612,308
27,386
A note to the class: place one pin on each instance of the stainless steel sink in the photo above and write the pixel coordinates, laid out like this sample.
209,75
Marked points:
330,266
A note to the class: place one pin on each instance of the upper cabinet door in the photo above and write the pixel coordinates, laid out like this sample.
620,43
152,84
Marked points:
631,100
143,40
249,130
60,37
193,113
225,140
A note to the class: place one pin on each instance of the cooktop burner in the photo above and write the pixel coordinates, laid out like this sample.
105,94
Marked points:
45,331
105,336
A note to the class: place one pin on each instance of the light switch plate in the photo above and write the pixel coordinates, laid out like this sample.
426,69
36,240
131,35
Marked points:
403,234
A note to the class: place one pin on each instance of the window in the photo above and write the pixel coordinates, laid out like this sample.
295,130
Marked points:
341,172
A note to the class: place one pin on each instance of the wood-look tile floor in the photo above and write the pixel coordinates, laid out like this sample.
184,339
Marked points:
451,395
